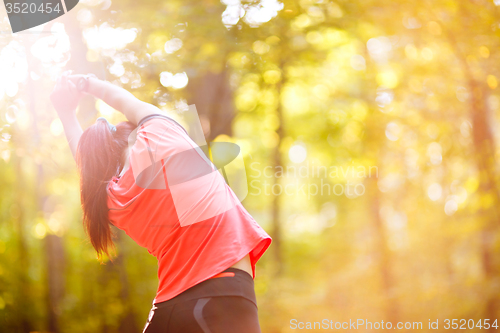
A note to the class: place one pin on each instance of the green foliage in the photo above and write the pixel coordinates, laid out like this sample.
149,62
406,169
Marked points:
400,98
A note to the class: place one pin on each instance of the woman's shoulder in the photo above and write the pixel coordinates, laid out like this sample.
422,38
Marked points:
159,120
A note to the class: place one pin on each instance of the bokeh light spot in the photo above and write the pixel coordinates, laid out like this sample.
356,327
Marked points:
297,153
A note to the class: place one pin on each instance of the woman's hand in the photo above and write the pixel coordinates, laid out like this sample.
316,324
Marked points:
75,80
65,96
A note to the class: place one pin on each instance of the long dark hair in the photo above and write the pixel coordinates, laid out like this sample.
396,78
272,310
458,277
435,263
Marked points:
99,158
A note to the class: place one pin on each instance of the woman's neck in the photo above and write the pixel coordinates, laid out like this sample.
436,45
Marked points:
125,161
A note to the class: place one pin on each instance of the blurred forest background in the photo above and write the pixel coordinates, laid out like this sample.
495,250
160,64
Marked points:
408,88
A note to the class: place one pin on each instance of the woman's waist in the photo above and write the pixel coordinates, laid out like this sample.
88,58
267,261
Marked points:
244,264
230,282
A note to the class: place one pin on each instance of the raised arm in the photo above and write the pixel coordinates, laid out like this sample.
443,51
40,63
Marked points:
68,91
65,101
116,97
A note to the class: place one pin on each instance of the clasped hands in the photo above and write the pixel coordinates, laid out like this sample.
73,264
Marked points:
66,95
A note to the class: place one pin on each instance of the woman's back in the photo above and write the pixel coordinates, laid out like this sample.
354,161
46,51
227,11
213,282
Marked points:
173,202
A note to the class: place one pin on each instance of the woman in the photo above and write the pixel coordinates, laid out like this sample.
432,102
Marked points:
148,178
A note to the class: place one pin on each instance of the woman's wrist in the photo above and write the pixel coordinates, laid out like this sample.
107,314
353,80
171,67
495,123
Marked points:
84,82
96,87
66,115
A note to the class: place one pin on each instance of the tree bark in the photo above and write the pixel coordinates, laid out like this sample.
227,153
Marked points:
54,256
128,322
213,98
24,295
484,157
276,201
384,255
54,250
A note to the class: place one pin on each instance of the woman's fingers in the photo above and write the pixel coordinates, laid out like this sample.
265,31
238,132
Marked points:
75,78
73,87
65,76
64,81
58,83
68,81
58,87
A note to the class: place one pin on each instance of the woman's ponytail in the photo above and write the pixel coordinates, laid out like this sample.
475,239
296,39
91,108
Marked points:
99,158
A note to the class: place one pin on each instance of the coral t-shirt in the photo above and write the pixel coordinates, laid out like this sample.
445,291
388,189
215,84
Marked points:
174,202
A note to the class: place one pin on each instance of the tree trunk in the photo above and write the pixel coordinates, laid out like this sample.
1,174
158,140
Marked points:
213,98
128,322
276,201
54,250
384,255
81,65
484,151
24,295
54,256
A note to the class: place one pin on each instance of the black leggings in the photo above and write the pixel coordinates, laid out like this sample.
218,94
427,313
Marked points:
219,305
